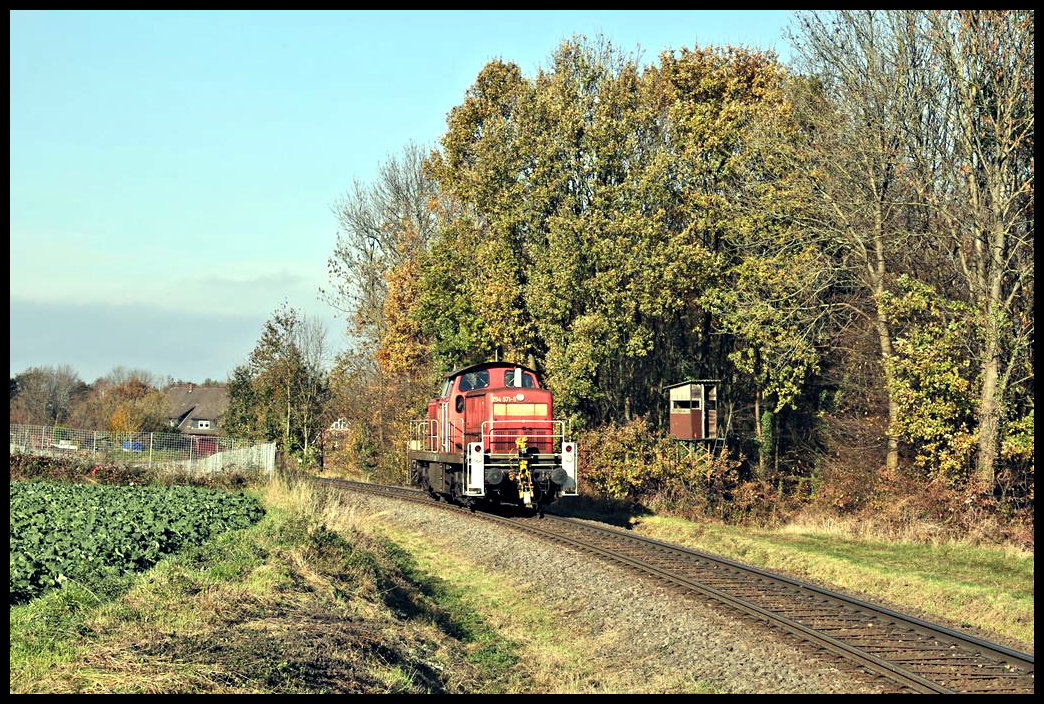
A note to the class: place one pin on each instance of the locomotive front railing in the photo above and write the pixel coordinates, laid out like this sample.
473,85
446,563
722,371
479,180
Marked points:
496,436
546,436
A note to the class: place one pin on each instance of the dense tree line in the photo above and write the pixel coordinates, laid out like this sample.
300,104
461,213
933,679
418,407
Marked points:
846,243
124,400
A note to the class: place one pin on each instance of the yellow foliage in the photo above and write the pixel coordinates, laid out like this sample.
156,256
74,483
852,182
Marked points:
123,420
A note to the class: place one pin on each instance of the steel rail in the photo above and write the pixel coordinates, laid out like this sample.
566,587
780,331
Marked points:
896,673
1001,652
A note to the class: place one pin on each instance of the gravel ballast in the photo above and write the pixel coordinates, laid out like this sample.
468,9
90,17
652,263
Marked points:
660,632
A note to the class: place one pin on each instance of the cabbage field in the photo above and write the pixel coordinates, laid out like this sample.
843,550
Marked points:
88,532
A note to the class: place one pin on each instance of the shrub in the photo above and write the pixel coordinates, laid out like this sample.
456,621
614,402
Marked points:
635,463
28,467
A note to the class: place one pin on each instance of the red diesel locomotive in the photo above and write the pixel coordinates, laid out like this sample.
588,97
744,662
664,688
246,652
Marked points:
490,437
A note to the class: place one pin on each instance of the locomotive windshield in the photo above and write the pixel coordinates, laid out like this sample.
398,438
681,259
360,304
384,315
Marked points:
511,379
475,380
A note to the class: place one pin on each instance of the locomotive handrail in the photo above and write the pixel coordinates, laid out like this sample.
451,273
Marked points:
557,433
426,432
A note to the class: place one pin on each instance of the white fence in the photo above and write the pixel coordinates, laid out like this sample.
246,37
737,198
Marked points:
256,456
162,450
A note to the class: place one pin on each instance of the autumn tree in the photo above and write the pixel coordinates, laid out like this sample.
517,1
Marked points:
857,109
715,214
602,208
402,350
45,395
382,225
567,232
608,290
385,228
139,407
124,399
921,128
931,380
762,299
470,297
982,191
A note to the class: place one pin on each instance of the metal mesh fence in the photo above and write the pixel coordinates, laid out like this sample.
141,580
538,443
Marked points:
161,450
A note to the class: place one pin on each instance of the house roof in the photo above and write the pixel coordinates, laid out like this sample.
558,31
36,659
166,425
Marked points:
190,401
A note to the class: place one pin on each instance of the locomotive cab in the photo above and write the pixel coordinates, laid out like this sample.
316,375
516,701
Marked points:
490,436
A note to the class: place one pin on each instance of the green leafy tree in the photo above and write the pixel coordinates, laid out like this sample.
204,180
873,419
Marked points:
244,418
775,307
477,265
763,297
281,392
929,373
585,248
445,309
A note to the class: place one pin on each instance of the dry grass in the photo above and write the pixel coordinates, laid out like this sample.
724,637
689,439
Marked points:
864,528
987,591
315,599
558,651
291,606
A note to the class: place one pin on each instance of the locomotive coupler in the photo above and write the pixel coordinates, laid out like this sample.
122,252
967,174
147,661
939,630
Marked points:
525,480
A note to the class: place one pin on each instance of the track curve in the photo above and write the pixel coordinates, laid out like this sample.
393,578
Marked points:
912,654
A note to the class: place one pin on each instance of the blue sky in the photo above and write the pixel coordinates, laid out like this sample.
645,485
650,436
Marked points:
174,174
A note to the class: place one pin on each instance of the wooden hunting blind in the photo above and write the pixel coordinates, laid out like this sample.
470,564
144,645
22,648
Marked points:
694,410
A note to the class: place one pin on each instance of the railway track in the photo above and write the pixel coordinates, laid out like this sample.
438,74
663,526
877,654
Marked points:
908,653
